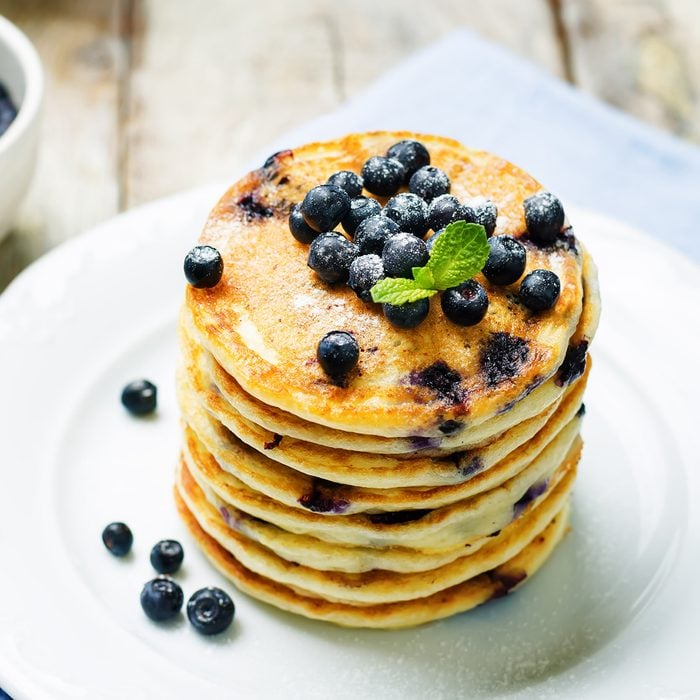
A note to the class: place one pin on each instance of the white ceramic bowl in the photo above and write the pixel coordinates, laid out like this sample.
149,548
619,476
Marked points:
23,78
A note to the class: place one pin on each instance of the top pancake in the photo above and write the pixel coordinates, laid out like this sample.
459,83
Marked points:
264,319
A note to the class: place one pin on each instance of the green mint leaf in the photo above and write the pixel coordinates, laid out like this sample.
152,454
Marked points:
399,291
458,254
424,277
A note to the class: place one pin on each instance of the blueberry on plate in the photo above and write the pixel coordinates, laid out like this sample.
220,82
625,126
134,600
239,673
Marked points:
210,610
365,272
361,208
466,304
411,154
140,397
117,537
409,211
373,233
429,182
407,315
337,353
167,556
540,290
203,266
443,210
330,256
348,181
544,217
298,226
324,207
383,176
506,261
480,210
161,599
402,253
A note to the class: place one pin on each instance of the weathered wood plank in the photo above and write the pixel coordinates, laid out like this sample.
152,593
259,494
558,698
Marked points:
75,184
212,82
640,55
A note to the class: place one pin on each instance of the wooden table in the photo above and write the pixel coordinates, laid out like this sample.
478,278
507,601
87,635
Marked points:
148,97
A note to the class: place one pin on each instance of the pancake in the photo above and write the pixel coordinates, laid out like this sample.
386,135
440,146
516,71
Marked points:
277,422
435,529
263,321
378,586
302,475
437,474
460,598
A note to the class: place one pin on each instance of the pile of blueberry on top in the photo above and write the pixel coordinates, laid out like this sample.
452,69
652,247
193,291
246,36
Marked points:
391,241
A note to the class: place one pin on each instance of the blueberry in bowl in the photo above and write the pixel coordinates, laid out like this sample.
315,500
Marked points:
21,97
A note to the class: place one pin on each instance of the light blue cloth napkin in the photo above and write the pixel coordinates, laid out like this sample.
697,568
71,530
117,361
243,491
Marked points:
586,152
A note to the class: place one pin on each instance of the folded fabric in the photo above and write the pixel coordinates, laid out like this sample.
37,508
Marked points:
587,152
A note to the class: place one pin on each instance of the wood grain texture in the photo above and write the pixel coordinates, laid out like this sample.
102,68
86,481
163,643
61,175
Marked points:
75,185
148,97
213,82
640,55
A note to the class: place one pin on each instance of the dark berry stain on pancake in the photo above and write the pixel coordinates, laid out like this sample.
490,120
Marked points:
424,443
581,411
442,380
254,208
271,166
505,581
567,241
321,501
274,442
450,427
468,468
503,357
574,364
398,517
535,491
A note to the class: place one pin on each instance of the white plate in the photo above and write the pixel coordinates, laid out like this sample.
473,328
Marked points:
615,613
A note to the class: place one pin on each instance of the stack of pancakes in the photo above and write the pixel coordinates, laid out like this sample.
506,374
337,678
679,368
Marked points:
438,475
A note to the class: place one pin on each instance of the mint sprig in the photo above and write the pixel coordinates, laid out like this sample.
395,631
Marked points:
458,254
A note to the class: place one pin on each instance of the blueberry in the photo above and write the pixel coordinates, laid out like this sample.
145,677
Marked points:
361,208
166,556
409,211
429,182
383,176
506,261
544,217
365,272
373,233
411,154
203,266
324,207
430,240
407,315
403,252
140,397
298,226
118,539
480,210
337,353
161,598
348,181
466,304
443,210
330,256
540,290
210,610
